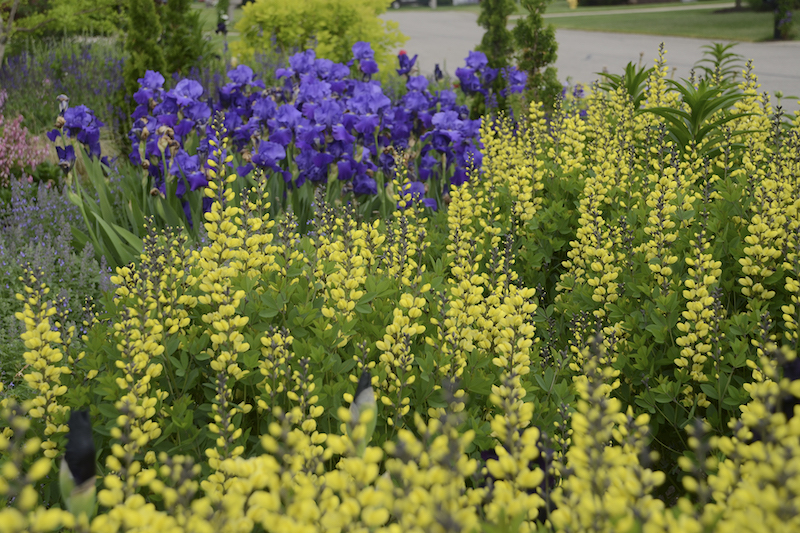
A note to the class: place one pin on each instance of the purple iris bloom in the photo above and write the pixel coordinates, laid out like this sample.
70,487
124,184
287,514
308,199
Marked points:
470,83
415,101
367,124
329,112
368,66
447,99
288,116
303,62
363,51
406,64
312,89
242,75
66,156
269,153
363,184
516,80
340,133
264,108
477,60
188,166
417,83
368,97
198,111
186,92
152,80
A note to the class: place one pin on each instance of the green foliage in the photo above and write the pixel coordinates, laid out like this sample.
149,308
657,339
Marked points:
720,63
701,119
182,41
633,81
497,42
142,43
56,18
785,14
330,27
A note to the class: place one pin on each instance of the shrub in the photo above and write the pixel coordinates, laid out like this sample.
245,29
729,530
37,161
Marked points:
329,27
20,153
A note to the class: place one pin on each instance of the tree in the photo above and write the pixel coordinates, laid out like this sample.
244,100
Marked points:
536,46
6,28
497,43
182,38
142,43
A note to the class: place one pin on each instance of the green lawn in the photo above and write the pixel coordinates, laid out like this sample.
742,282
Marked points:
704,24
561,6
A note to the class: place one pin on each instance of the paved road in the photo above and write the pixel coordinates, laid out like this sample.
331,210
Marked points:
445,37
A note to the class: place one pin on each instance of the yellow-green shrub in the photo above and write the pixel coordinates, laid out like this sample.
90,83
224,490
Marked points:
330,27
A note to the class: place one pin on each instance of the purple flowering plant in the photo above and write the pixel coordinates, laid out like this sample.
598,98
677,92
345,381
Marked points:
323,125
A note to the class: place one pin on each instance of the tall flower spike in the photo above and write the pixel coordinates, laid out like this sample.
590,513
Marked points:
363,402
78,467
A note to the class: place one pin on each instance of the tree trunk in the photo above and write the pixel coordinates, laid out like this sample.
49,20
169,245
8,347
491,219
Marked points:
5,30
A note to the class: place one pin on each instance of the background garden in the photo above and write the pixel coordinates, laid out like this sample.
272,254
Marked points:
284,283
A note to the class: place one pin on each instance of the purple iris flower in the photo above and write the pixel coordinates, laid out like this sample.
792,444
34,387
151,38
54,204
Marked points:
302,62
243,75
197,111
437,73
186,92
470,83
477,60
447,99
152,80
363,51
340,133
188,166
269,153
312,89
489,75
288,116
516,80
329,112
363,184
368,97
66,156
367,124
417,83
406,64
264,108
415,101
426,165
368,67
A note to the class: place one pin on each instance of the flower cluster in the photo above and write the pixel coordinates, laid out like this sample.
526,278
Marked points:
19,151
478,77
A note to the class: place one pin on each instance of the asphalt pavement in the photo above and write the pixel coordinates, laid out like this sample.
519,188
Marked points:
446,37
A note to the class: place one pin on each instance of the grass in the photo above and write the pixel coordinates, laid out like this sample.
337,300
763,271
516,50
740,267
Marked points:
699,23
704,24
561,6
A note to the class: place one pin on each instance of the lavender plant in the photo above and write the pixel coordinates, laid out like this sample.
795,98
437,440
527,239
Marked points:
35,234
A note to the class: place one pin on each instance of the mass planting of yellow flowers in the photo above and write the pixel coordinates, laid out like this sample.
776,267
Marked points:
597,332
